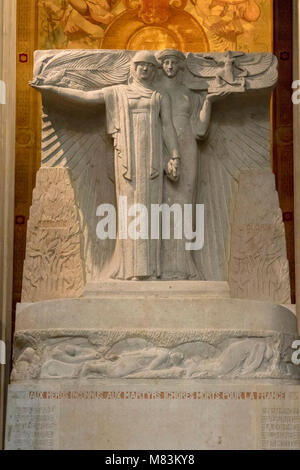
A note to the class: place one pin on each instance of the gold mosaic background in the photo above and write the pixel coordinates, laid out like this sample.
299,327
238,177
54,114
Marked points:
188,25
192,25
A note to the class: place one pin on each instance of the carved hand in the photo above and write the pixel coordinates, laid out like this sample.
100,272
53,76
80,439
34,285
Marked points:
173,169
36,82
39,86
212,97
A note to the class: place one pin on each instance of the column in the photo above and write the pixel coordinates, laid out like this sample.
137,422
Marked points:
7,166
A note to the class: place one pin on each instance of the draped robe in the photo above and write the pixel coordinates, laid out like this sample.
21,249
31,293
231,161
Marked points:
133,120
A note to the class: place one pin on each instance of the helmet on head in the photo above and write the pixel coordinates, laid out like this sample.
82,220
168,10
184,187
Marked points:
145,56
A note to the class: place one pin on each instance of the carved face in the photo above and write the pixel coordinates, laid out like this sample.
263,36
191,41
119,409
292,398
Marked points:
144,70
171,66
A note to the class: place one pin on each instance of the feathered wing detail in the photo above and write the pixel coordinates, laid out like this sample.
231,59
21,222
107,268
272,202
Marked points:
238,141
75,138
82,145
255,64
202,66
86,70
270,77
259,70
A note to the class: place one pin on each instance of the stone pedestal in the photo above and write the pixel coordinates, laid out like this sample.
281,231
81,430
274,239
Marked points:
155,330
144,365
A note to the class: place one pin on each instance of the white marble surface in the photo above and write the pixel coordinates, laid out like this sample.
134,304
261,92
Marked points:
77,150
173,312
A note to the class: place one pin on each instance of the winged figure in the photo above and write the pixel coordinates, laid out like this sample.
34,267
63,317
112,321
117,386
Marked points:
138,121
80,141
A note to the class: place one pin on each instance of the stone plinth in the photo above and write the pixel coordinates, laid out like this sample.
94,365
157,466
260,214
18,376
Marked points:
171,332
173,305
159,289
147,365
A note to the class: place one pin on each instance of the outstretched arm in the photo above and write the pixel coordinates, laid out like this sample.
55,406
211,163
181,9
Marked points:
73,95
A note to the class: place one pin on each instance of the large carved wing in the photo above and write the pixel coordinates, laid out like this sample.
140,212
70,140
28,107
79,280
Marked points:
255,64
76,140
202,65
261,70
238,141
74,137
81,69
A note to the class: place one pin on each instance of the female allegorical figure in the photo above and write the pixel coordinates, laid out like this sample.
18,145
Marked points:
191,119
140,122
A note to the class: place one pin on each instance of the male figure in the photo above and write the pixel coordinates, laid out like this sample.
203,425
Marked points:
191,119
